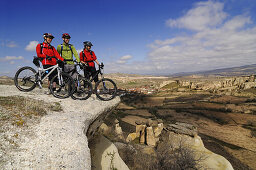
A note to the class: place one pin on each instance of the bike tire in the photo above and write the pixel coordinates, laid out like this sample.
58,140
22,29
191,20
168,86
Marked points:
28,81
105,89
83,89
62,90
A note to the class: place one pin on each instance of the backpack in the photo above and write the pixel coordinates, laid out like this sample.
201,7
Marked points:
70,50
42,46
85,56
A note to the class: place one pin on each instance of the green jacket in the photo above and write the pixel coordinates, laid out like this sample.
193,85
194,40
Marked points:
67,53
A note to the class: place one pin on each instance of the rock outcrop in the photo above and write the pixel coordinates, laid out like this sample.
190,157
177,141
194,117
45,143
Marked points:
185,135
105,156
59,140
219,84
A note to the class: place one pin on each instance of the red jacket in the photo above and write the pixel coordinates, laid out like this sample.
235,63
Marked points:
49,51
88,57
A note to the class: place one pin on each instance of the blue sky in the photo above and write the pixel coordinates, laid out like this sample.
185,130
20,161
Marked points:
135,36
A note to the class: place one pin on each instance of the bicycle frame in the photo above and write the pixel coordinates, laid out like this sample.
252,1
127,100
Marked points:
97,74
92,77
41,71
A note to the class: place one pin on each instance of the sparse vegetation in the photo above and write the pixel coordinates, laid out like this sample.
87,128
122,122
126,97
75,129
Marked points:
171,86
17,113
112,156
164,157
18,110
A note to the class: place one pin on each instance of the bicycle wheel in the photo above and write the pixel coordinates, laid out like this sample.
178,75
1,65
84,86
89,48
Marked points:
25,79
105,89
62,87
83,89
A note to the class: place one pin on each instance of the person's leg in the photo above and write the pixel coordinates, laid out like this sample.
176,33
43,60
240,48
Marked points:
87,73
49,77
93,71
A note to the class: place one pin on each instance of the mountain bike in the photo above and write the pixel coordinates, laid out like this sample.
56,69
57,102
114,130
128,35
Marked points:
83,88
105,88
61,85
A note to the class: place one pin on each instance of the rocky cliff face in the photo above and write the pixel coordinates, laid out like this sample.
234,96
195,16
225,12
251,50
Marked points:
58,141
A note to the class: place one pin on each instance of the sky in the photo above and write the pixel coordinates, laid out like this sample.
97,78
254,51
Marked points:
134,36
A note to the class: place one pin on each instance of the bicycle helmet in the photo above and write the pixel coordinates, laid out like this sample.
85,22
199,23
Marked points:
87,43
66,35
49,35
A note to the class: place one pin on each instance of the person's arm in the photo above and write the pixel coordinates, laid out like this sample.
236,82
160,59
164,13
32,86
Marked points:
95,59
38,51
56,54
59,49
75,53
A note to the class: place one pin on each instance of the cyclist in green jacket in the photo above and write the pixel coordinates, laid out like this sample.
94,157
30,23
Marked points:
67,51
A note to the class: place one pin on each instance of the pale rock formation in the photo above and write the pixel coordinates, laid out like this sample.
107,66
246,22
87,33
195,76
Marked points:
104,129
209,160
118,130
106,156
248,85
143,135
140,129
158,129
131,137
223,84
185,135
251,78
150,137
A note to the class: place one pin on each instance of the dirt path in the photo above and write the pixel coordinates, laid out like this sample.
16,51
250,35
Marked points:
58,140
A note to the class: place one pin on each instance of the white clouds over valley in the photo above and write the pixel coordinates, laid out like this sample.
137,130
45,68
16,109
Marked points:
217,41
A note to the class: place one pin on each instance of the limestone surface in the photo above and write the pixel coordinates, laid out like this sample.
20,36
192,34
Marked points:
58,141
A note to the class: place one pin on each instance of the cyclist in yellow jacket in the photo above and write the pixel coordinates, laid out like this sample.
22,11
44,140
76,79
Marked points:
67,51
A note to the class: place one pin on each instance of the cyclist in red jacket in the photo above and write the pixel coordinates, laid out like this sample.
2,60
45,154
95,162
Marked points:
88,57
46,51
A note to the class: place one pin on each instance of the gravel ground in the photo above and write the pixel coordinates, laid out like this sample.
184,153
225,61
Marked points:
58,141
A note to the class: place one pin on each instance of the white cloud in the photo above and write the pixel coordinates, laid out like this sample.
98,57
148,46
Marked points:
124,59
231,44
218,42
79,50
204,15
11,44
9,58
8,43
121,61
31,46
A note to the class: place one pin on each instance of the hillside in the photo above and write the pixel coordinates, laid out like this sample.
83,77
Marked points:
232,71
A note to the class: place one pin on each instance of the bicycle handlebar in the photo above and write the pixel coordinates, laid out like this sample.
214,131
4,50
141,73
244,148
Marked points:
82,65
